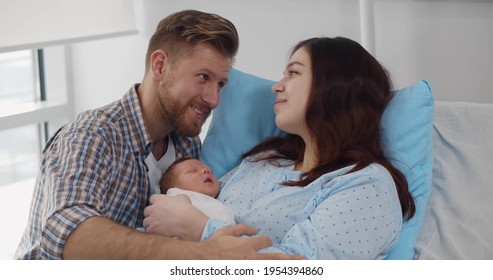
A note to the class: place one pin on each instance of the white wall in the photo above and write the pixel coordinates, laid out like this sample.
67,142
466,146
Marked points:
448,43
104,70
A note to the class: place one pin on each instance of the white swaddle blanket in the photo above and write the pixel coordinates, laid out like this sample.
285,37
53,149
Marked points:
210,206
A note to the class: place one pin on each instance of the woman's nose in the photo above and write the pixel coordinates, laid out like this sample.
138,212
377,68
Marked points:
278,87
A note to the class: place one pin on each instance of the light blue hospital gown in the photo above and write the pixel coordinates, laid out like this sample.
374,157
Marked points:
352,216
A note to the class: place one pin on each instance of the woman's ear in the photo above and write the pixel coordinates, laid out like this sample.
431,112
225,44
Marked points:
158,62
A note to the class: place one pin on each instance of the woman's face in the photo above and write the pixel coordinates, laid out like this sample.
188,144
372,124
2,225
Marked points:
292,94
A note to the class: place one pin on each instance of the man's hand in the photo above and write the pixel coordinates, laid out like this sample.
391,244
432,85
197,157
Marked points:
227,243
174,216
100,238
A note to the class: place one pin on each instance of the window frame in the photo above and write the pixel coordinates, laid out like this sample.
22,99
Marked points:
53,97
45,109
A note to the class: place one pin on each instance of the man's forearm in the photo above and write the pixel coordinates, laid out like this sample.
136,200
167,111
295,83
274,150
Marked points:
100,238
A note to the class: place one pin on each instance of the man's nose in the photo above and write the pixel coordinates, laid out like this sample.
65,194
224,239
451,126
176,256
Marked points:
212,96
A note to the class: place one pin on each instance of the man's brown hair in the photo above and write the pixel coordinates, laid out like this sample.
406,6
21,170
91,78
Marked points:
178,33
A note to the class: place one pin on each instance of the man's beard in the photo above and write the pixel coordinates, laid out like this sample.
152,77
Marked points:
176,114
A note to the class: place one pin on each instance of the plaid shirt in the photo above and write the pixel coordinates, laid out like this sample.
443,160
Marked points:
93,166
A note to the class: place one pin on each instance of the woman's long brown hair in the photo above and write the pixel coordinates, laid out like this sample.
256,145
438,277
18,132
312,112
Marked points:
350,91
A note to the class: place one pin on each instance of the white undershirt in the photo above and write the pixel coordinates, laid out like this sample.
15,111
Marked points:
157,167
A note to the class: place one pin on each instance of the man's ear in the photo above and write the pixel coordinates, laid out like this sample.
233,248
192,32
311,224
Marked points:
159,61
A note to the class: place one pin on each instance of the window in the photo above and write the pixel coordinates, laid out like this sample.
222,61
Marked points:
19,154
34,103
19,147
36,88
17,77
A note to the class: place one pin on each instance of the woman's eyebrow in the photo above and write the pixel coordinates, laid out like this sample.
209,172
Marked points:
294,63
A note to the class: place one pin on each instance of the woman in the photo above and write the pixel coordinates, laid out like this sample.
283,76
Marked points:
326,190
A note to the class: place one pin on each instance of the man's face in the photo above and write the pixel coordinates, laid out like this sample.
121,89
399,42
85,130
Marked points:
191,89
193,175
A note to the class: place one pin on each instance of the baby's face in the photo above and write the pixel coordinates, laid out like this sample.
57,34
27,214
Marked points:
193,175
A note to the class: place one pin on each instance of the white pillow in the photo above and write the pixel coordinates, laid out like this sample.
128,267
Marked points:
458,218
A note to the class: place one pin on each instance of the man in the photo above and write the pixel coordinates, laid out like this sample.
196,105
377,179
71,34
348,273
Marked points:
98,172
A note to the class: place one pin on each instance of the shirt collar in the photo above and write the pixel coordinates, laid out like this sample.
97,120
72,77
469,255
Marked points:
138,134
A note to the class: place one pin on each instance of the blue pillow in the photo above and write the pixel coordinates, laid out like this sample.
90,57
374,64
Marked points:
245,117
407,125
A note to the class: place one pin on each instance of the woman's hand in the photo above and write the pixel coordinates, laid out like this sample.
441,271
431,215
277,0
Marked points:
174,216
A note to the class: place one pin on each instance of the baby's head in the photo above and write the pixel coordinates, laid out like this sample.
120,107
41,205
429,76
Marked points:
192,175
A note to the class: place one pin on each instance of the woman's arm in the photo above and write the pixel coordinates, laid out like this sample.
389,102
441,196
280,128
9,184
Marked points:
356,218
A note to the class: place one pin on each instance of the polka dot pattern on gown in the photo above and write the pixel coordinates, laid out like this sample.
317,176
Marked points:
338,216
